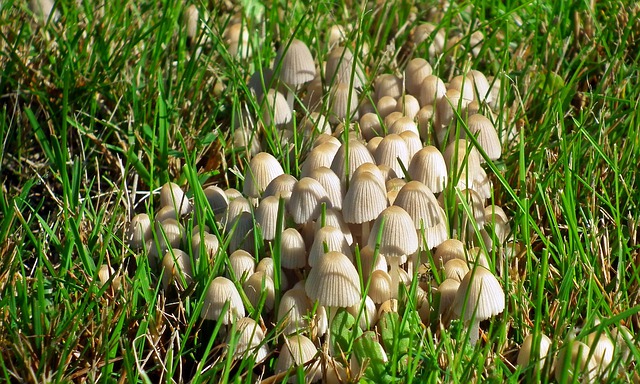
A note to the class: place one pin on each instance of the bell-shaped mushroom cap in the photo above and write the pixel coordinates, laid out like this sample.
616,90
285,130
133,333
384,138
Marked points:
380,286
217,199
447,110
415,73
370,126
256,286
333,217
250,337
334,281
449,249
246,139
236,37
220,291
369,263
386,105
177,267
267,266
293,311
448,290
314,96
463,162
399,237
486,134
262,169
333,239
413,142
242,264
432,90
172,196
281,186
293,253
241,232
495,215
479,295
481,86
602,347
267,217
456,269
392,151
275,110
464,85
296,63
358,155
369,315
428,166
170,234
344,103
306,200
191,21
340,68
365,199
524,355
579,363
210,244
431,36
408,106
139,231
402,124
387,84
331,183
420,203
320,156
424,119
298,350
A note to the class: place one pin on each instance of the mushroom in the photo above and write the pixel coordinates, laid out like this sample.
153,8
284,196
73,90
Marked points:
296,66
297,351
139,231
331,183
176,266
242,264
293,254
306,200
365,199
267,216
172,196
573,361
328,239
428,166
392,151
250,339
262,169
526,349
220,291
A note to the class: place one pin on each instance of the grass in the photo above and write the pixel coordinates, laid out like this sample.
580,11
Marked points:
101,107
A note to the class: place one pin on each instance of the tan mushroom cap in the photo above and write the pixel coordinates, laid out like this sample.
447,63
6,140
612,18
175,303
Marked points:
320,156
262,169
428,166
331,183
250,338
449,249
386,105
370,126
486,135
294,310
256,286
306,200
428,217
217,199
340,68
448,290
176,265
267,216
334,281
430,35
380,286
365,198
399,237
281,186
387,84
139,231
220,291
275,109
464,85
343,102
369,263
432,90
242,264
211,246
481,86
408,105
296,351
480,295
344,165
524,355
333,217
171,195
333,239
579,364
392,151
414,74
236,37
293,253
456,269
296,63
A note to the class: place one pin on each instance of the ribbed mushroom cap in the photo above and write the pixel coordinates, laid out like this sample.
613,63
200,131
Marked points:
486,134
242,264
177,267
241,231
250,336
369,315
469,202
267,266
390,120
333,217
293,311
262,169
246,139
463,160
446,114
392,151
296,63
579,363
380,287
481,86
358,155
236,37
236,207
340,66
211,246
344,103
432,90
448,290
428,166
275,110
216,198
524,355
267,217
414,74
365,199
431,36
331,183
315,124
464,85
449,249
414,144
170,234
139,231
256,286
335,35
191,21
495,215
320,156
403,124
298,350
333,239
370,126
313,98
424,120
372,145
306,200
387,84
408,106
480,295
164,213
293,253
220,291
399,236
172,196
602,347
369,264
334,281
456,269
386,105
281,186
420,203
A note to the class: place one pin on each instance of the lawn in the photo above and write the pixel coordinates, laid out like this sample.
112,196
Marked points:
102,104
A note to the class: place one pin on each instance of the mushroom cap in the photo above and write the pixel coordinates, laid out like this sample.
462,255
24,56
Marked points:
220,291
242,264
176,265
331,183
365,198
448,290
344,103
333,239
211,245
262,169
367,262
257,285
464,85
293,310
408,105
171,195
580,362
281,186
414,74
358,154
480,295
334,281
481,86
296,63
524,355
432,90
456,269
217,199
421,204
298,350
387,84
486,134
306,200
399,237
340,67
392,151
370,126
402,124
139,231
321,155
275,109
293,253
267,216
449,249
380,286
249,339
236,37
428,166
333,217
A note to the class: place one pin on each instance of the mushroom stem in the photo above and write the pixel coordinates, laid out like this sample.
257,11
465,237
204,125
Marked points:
365,231
395,276
474,330
290,97
331,314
